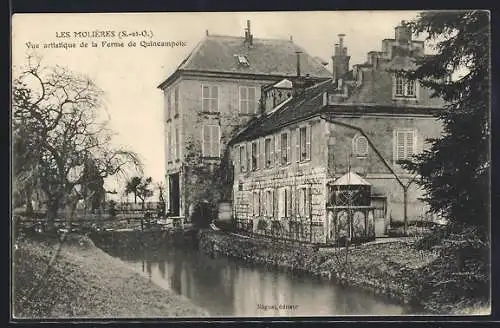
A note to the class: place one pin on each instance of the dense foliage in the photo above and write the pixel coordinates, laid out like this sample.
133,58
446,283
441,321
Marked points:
455,171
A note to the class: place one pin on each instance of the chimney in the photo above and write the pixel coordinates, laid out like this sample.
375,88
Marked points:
298,63
340,59
402,33
206,32
248,34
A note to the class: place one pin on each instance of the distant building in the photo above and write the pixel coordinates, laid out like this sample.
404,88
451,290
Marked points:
344,135
210,96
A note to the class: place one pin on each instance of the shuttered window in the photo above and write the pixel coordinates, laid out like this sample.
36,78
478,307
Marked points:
285,149
305,143
248,100
256,203
255,155
404,144
269,152
211,141
168,105
176,101
303,202
210,98
243,158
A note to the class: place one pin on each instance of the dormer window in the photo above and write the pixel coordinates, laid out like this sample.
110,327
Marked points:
404,88
242,60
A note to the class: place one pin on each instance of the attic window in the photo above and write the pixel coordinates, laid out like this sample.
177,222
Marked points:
243,60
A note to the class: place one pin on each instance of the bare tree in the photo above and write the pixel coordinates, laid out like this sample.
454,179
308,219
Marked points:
57,130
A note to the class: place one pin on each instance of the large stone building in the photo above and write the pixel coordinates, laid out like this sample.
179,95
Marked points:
347,133
211,95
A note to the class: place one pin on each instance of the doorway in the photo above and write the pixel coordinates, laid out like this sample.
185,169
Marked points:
174,194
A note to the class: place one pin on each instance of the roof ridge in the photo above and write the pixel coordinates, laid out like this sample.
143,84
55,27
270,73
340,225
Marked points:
242,37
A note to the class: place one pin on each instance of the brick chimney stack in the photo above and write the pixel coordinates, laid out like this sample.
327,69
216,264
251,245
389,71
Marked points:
248,34
402,34
340,59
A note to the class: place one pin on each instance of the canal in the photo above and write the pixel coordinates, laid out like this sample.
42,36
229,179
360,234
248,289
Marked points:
226,287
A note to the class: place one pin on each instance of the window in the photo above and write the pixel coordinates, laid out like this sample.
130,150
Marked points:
211,141
210,98
360,146
255,155
303,199
305,143
243,60
284,203
404,87
269,152
174,145
285,149
177,144
176,101
169,105
256,203
248,100
169,146
268,206
404,144
243,160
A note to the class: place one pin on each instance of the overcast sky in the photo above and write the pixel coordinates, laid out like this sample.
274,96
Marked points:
129,76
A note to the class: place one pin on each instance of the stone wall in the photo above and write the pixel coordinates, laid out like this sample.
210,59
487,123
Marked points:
380,130
309,174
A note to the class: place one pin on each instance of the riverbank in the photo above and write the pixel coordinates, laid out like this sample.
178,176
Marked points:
394,269
85,282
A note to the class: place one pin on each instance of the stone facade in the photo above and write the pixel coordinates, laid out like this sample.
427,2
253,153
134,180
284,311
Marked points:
198,173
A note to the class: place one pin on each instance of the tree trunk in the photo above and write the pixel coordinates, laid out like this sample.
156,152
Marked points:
135,198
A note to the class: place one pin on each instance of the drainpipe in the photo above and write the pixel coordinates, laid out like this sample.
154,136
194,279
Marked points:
386,164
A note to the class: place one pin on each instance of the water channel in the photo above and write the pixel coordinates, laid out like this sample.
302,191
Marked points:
226,287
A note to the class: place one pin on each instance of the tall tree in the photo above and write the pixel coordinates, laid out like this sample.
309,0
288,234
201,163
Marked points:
140,187
57,130
455,171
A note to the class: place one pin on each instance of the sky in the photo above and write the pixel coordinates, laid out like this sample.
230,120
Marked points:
129,76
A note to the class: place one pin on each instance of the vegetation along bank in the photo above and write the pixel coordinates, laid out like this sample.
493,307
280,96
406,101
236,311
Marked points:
416,272
83,281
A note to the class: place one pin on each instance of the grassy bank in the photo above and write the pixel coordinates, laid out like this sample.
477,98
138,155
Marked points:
83,281
396,269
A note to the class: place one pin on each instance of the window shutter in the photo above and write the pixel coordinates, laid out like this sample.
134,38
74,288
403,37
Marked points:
249,156
400,145
243,103
308,142
257,154
271,152
215,99
288,147
297,144
169,106
206,140
217,141
262,153
277,143
176,101
410,143
252,101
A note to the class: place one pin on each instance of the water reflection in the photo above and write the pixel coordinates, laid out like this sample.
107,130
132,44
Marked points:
229,288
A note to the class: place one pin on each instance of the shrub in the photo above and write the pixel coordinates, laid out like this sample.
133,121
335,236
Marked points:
262,224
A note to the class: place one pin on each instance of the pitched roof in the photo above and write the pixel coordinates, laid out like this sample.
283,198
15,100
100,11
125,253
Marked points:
295,108
265,57
351,179
310,103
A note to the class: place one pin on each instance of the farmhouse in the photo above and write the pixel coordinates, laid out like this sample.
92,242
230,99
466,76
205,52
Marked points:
210,96
322,161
